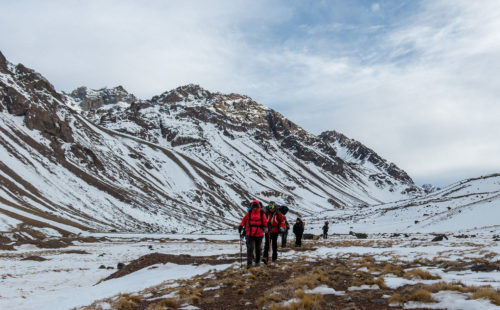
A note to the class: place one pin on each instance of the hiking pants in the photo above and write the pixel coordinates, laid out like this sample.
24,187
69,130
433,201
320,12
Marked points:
325,235
283,239
274,244
253,243
298,240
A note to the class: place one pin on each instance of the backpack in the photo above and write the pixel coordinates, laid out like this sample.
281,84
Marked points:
283,209
261,220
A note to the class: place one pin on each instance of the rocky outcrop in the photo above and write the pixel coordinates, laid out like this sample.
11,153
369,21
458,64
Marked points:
94,99
3,63
359,154
38,102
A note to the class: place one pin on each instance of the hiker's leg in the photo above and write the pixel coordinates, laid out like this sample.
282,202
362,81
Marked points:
258,249
250,247
266,246
274,242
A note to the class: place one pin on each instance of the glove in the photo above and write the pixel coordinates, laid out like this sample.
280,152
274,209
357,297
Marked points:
266,230
240,229
282,229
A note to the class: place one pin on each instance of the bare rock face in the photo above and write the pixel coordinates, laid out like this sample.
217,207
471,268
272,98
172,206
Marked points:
3,63
48,123
94,99
359,154
38,103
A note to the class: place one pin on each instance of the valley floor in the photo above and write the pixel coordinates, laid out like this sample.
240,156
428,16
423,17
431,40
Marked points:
203,272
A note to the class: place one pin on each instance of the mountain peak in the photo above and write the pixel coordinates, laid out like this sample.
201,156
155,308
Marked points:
91,99
187,93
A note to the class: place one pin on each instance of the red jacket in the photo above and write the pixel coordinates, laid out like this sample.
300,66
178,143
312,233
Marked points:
276,221
254,223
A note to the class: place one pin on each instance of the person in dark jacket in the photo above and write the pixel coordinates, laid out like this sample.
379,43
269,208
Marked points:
276,225
254,223
325,230
298,230
284,234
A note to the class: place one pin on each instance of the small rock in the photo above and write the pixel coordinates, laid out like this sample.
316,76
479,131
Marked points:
101,255
308,236
102,267
361,235
378,301
109,267
120,266
439,238
484,268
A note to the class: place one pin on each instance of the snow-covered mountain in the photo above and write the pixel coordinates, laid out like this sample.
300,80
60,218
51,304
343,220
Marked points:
470,205
186,160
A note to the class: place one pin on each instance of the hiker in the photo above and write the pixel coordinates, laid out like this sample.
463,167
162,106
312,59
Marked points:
298,230
284,234
325,230
276,225
254,222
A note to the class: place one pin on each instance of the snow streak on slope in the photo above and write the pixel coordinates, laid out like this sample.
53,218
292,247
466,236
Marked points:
470,205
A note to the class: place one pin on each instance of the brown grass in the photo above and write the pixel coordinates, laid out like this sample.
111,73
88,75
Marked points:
394,269
420,274
396,299
166,303
306,302
421,295
308,281
266,299
380,281
195,299
488,293
127,302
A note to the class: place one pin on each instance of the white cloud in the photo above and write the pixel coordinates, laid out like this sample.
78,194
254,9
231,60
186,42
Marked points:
424,94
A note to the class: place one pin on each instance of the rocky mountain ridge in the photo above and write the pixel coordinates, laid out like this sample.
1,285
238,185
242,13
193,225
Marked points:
186,160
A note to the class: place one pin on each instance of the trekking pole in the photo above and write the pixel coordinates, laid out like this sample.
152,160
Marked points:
241,255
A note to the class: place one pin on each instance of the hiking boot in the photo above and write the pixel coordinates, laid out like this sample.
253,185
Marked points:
249,266
257,264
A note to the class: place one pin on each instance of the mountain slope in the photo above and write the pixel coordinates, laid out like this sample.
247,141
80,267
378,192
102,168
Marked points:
236,136
187,160
469,205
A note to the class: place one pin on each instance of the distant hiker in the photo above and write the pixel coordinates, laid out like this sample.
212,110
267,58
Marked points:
254,223
284,235
325,230
276,225
298,230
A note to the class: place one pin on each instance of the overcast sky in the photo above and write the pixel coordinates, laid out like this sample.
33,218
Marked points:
417,81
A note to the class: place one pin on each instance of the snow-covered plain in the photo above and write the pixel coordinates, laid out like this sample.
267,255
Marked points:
71,278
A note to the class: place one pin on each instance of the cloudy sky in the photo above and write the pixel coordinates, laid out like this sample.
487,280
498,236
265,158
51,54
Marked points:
417,81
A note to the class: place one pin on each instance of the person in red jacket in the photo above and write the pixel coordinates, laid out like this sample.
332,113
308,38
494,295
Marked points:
276,224
254,223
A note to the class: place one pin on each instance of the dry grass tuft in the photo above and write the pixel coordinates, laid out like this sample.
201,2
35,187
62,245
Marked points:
488,293
396,299
307,302
394,269
167,303
308,281
421,295
266,299
454,286
420,274
195,299
127,302
380,281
